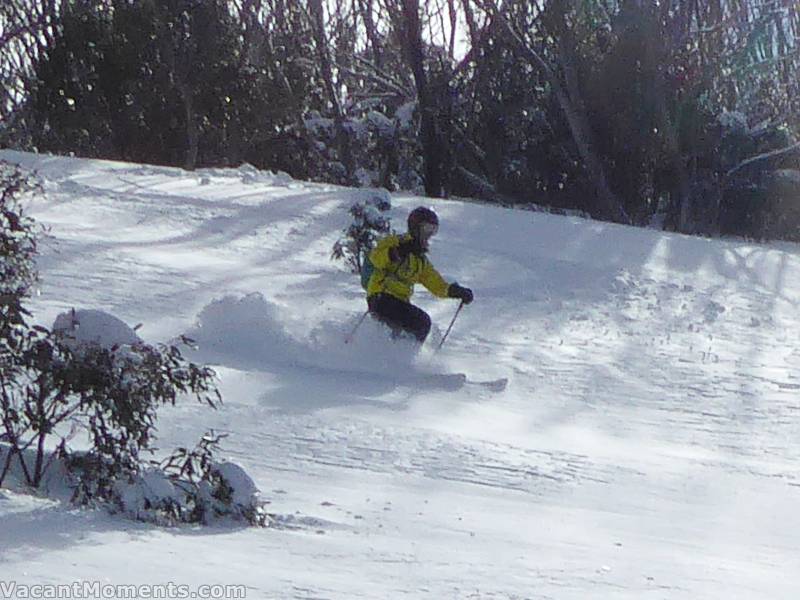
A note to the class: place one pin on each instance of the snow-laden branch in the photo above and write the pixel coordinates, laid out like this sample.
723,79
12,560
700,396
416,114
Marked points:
765,157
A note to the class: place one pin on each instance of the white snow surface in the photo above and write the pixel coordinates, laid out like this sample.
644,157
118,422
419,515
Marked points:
647,444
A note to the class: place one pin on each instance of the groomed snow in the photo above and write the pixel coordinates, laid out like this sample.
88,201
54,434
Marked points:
647,445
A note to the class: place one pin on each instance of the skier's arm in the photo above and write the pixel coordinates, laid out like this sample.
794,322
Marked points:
432,280
380,254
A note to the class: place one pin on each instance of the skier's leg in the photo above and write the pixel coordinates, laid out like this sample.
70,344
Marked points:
417,322
382,307
400,315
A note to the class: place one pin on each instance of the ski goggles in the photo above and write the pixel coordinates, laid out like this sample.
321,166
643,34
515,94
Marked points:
428,230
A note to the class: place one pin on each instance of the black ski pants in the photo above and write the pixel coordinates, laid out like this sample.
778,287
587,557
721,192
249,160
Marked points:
400,316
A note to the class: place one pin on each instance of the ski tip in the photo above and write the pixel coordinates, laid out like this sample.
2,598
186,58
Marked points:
496,385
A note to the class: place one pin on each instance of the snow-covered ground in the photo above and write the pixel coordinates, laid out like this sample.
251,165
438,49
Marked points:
647,444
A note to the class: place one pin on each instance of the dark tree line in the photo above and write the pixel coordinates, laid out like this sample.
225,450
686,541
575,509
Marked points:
684,113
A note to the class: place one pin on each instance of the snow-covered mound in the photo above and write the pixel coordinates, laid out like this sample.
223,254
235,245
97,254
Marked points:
645,447
87,326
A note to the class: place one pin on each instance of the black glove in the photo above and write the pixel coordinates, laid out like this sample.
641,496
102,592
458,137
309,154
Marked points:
457,291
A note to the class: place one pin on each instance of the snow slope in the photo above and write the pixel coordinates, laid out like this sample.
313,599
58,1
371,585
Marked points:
647,445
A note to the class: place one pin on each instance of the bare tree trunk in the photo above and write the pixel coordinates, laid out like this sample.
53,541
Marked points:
179,62
680,211
432,147
571,103
192,131
342,136
6,465
451,9
368,16
472,27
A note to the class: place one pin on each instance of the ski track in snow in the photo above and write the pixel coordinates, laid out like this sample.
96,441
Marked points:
646,446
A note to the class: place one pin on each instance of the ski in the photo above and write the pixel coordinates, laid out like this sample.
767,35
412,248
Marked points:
449,381
495,385
456,381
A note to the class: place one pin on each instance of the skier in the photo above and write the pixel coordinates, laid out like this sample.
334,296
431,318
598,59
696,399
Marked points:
399,263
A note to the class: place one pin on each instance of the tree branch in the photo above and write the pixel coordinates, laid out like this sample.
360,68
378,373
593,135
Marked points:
763,158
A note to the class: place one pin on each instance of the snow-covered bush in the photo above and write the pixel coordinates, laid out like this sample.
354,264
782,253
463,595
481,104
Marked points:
213,489
111,390
17,275
17,266
92,373
189,486
759,194
370,220
381,147
17,233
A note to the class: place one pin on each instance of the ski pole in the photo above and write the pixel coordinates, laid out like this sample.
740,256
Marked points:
460,306
352,334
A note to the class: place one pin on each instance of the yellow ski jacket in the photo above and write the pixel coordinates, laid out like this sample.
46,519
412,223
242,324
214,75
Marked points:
398,279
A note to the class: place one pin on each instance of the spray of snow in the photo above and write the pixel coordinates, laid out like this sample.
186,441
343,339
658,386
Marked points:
250,331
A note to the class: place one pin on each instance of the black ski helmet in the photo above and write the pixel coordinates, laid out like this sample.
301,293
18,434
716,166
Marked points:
420,215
